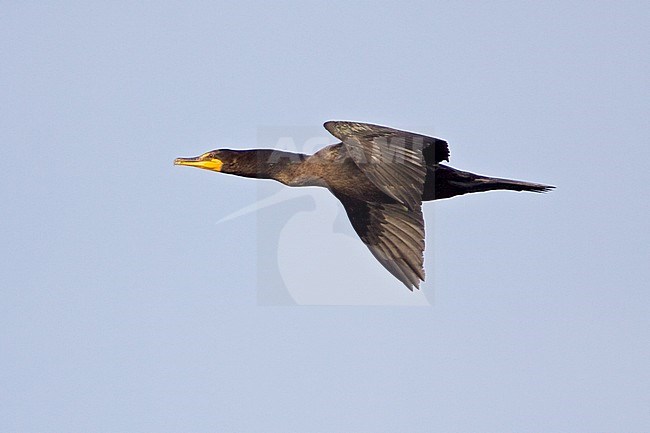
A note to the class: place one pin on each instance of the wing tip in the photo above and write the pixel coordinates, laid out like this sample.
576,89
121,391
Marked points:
412,286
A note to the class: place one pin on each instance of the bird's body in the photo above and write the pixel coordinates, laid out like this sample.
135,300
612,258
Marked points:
381,176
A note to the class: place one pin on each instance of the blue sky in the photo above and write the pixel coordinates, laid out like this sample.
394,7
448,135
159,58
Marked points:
127,306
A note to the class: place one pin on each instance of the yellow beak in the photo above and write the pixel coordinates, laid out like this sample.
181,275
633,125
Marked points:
202,161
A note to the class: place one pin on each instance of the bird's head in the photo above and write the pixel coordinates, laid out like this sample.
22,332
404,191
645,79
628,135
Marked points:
259,163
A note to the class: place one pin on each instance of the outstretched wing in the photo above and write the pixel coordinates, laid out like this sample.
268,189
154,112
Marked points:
395,161
393,233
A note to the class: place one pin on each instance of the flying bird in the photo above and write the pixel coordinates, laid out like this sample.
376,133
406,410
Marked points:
381,176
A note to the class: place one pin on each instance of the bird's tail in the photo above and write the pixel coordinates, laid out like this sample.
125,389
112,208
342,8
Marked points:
450,182
492,183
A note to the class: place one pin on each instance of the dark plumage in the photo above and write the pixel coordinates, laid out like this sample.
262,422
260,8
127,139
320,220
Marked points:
381,176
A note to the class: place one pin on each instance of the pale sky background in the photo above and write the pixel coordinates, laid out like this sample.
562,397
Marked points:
125,307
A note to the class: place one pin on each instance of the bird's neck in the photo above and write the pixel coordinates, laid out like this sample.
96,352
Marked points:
269,164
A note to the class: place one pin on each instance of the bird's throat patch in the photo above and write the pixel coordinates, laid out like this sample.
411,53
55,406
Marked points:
212,164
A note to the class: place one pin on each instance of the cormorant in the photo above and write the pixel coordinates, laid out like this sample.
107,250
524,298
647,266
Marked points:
381,176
